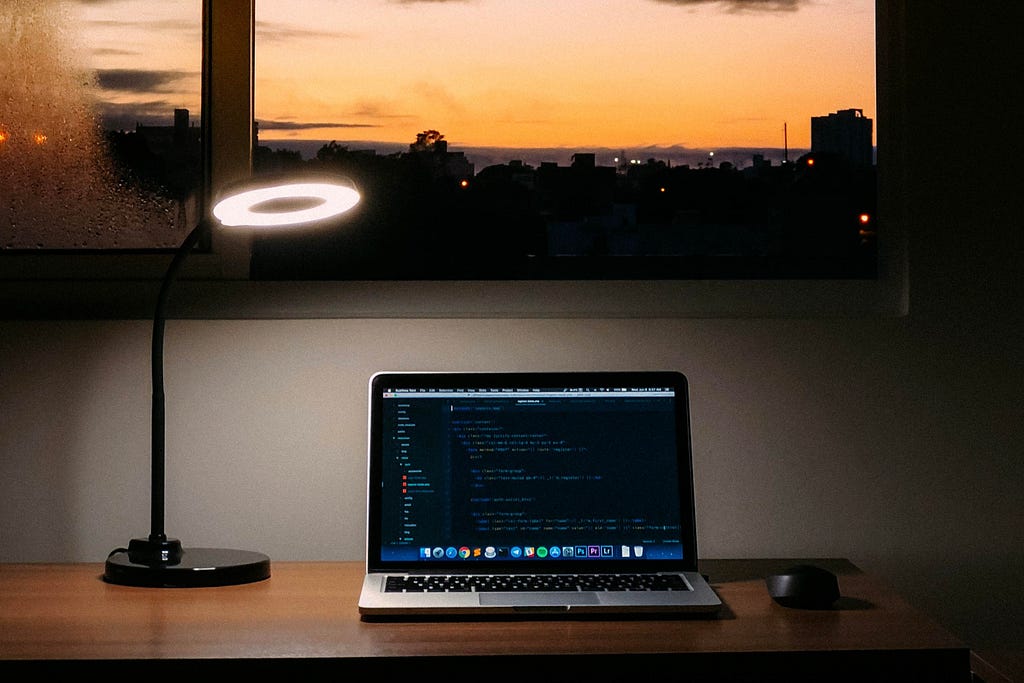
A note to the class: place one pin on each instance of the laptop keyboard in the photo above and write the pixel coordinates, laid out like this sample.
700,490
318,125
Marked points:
534,582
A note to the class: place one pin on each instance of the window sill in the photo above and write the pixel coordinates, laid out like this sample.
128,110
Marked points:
113,298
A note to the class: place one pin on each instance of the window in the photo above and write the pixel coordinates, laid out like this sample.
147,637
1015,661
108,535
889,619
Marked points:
577,262
99,137
573,140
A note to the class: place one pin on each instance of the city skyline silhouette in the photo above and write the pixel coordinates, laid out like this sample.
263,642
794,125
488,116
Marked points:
432,214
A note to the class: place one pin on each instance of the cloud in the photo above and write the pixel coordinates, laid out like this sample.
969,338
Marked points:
158,26
267,32
140,80
743,5
125,117
114,52
300,125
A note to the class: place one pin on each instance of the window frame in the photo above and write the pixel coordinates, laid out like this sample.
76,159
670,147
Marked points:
215,284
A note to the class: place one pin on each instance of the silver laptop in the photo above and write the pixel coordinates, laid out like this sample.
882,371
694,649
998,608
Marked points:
530,494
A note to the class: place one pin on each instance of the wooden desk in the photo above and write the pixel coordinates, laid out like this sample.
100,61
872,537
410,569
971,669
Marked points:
64,617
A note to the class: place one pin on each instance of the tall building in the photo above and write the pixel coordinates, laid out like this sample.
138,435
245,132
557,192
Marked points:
846,133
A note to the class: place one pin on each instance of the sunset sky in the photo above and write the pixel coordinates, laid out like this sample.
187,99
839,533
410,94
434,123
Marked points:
512,73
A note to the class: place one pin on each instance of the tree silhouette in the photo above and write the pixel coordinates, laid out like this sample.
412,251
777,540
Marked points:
426,141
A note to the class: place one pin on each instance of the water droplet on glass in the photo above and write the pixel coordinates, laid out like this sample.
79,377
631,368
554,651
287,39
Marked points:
61,184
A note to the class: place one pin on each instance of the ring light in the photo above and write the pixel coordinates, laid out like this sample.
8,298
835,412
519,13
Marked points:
241,209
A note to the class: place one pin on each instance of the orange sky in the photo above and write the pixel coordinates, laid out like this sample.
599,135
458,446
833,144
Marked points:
527,73
564,72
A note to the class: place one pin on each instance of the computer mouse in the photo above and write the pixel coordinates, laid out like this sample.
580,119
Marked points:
804,586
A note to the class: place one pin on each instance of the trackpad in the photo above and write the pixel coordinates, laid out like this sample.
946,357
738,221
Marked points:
538,599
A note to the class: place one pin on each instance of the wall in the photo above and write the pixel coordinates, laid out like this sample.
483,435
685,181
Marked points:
896,442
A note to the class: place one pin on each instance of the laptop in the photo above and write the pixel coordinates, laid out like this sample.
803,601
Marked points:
530,493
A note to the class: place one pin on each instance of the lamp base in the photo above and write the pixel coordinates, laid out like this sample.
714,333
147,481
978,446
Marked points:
197,567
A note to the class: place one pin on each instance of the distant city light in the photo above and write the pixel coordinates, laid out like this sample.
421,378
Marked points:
865,219
464,183
3,136
38,138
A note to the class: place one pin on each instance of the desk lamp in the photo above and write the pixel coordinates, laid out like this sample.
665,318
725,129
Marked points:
159,561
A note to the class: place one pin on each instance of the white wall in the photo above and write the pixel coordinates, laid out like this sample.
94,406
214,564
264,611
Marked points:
896,442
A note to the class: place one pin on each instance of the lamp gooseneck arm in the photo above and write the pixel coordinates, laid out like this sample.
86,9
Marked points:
158,547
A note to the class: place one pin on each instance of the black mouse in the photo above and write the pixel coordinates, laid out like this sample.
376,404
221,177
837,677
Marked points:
804,586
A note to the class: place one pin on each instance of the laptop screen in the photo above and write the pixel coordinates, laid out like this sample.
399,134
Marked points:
545,471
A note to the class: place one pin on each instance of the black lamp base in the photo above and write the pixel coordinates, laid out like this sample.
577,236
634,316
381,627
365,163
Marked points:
197,567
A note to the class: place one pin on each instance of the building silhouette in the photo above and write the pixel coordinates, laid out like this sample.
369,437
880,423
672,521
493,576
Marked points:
846,134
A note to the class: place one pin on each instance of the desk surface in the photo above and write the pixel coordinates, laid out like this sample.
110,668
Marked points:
306,611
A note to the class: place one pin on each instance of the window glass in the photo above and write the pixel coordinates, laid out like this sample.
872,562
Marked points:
530,139
99,123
